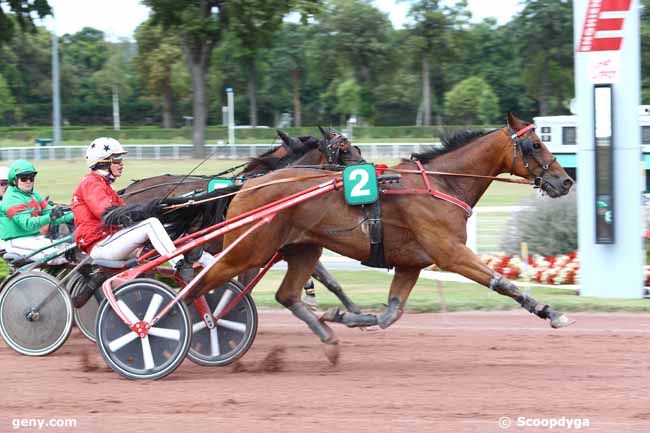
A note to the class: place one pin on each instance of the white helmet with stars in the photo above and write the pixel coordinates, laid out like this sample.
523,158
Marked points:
101,149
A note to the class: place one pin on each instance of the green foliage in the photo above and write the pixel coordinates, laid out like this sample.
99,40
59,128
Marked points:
348,95
548,226
545,39
472,101
8,106
21,12
299,67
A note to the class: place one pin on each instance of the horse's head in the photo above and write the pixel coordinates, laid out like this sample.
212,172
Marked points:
532,160
338,149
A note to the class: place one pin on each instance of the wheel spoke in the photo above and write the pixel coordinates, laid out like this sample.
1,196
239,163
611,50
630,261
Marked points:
169,334
234,326
122,341
152,309
146,353
127,311
215,350
196,327
225,299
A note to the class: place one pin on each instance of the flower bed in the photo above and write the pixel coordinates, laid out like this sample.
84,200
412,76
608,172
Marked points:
555,270
562,269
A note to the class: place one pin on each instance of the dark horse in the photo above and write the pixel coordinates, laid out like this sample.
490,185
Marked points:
333,150
419,229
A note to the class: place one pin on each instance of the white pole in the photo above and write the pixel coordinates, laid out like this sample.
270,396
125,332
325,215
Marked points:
56,94
231,116
116,109
604,55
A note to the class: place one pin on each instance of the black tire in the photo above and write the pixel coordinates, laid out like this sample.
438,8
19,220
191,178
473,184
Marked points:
46,328
156,355
232,336
85,317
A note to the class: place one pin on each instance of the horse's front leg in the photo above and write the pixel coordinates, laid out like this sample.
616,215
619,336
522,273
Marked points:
401,286
469,265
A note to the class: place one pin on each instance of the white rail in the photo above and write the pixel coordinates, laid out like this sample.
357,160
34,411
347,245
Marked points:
184,151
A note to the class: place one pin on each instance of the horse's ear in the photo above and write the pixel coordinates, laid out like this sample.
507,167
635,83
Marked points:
285,138
326,134
514,122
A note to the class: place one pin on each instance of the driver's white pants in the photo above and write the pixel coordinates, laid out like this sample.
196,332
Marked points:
25,246
122,244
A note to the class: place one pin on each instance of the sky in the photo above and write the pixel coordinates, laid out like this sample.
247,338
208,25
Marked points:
119,18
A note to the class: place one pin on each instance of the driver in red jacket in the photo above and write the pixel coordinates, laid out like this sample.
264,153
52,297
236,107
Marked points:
90,200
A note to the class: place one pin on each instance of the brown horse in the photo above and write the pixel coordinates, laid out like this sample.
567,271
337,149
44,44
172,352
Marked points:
333,150
419,229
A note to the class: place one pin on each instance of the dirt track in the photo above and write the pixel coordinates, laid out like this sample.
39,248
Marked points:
428,373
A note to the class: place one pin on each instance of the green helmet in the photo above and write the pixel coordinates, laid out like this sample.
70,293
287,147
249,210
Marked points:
20,166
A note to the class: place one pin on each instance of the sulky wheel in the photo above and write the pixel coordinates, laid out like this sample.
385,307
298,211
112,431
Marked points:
164,347
231,336
85,316
35,313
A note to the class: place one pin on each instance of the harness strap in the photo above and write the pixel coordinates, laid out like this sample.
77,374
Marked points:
168,208
430,191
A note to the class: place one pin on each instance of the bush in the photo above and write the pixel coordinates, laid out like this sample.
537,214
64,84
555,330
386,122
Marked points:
549,227
473,100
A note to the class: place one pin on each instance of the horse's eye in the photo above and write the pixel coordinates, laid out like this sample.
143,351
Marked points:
536,145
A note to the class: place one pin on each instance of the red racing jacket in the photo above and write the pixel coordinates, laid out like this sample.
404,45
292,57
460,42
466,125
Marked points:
90,200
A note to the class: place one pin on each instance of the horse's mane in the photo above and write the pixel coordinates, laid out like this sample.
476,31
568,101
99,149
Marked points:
450,142
269,162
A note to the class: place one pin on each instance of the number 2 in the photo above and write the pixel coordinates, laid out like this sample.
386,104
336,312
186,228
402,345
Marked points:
359,190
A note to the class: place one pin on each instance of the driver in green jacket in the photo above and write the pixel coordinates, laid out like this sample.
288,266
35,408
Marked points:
24,215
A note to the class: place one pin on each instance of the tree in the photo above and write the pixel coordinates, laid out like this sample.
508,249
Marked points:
289,64
22,12
488,50
351,39
83,54
255,23
348,95
545,34
200,25
26,66
432,35
472,101
158,53
8,108
112,79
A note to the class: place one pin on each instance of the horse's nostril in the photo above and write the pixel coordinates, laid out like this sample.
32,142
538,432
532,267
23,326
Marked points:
567,183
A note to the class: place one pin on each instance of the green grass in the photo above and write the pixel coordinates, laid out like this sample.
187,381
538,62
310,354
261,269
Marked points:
369,289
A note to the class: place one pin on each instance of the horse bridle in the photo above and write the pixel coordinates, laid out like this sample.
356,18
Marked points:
332,147
524,143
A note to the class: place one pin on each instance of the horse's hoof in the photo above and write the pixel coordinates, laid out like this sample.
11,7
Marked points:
331,315
561,322
332,351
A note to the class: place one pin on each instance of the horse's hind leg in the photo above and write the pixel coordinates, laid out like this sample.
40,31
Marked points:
321,274
469,265
301,260
400,288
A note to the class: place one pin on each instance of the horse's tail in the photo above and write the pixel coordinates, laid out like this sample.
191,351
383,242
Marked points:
130,214
208,209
